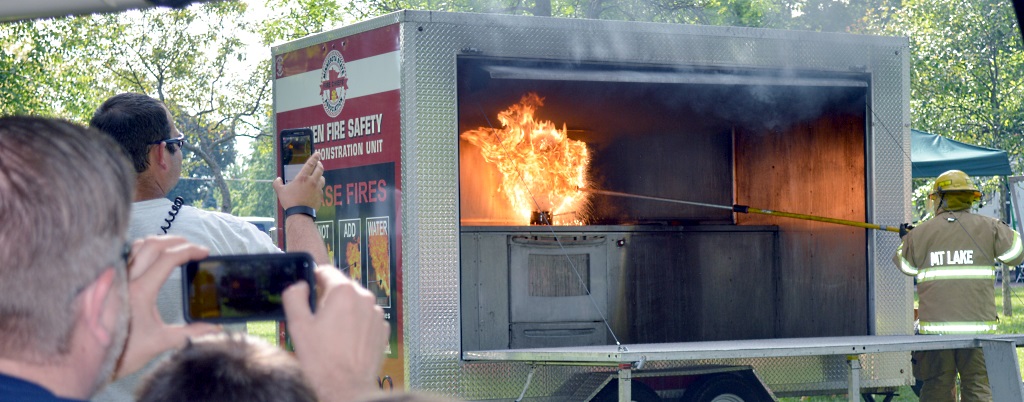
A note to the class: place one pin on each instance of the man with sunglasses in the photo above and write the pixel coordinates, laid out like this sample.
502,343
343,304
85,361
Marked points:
78,305
145,129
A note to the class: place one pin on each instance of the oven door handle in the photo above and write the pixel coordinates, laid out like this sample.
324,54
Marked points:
565,240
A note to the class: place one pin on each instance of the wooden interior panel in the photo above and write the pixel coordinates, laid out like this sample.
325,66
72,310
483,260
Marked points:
816,168
703,286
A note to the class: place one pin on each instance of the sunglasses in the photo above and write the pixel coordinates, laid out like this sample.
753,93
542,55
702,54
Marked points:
171,141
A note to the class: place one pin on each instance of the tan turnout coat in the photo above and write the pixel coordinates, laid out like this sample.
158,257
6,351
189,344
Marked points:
953,256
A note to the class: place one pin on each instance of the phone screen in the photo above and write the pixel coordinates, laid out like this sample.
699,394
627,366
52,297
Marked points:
296,147
242,288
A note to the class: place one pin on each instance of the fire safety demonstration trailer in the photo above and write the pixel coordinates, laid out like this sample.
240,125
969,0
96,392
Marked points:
544,207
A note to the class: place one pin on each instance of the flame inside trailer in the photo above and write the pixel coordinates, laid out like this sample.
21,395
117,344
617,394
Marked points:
542,169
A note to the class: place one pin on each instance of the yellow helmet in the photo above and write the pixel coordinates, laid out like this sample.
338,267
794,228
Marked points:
953,180
952,191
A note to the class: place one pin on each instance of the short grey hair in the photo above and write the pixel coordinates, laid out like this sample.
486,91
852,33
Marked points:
65,197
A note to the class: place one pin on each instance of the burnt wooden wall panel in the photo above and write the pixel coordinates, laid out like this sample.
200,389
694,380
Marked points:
663,297
702,286
815,168
679,164
738,292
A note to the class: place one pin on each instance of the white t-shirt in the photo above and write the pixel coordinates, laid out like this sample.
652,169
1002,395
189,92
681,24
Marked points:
222,233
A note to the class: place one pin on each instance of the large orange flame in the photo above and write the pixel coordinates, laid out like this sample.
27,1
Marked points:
542,168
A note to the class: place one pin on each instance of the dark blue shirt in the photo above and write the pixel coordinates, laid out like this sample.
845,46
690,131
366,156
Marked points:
18,390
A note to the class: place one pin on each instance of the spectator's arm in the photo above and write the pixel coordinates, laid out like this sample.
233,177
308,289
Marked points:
151,262
341,346
306,189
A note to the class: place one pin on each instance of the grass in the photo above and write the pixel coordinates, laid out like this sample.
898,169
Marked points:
263,329
1007,325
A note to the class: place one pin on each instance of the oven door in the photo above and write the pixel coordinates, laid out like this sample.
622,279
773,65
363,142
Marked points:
558,278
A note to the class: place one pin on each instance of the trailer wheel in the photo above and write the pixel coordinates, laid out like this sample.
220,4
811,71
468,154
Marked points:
640,392
721,388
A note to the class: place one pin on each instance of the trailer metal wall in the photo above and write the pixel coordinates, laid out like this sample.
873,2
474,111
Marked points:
430,44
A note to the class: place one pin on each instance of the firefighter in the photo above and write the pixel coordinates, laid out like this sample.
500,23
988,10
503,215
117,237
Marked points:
953,256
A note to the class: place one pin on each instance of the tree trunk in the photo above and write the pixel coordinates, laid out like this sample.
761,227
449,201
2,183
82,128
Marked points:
542,8
218,178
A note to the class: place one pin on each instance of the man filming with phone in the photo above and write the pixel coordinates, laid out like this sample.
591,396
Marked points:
78,304
145,130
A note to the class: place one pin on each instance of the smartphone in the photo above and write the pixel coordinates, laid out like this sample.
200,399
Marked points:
240,288
296,148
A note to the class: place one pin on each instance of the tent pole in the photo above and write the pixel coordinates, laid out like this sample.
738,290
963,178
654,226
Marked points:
1009,184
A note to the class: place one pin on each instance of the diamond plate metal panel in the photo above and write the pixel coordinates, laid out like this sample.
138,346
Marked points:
430,44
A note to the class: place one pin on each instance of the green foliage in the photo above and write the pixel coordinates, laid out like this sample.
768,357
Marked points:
189,59
254,192
192,59
293,19
298,18
40,69
23,76
966,69
966,61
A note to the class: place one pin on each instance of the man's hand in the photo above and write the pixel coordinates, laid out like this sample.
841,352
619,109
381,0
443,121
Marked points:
150,263
341,347
301,233
905,228
307,187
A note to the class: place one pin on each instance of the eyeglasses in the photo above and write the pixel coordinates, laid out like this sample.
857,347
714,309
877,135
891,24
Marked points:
171,141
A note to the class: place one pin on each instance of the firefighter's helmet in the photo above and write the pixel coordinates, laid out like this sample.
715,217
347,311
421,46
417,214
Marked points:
953,180
952,191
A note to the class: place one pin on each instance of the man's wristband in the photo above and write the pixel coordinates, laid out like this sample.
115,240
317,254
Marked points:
300,209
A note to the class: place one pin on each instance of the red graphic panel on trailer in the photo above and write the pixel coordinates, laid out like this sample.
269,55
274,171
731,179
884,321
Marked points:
347,91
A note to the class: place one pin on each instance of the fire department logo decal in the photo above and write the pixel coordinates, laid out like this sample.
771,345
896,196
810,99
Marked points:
333,83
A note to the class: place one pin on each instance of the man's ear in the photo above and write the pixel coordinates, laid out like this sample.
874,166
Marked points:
98,308
158,157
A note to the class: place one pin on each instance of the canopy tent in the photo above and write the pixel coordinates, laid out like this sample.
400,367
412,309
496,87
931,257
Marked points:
931,154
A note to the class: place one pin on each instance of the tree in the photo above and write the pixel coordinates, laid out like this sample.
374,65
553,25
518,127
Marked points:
293,19
39,72
298,18
23,76
253,191
191,59
967,69
185,58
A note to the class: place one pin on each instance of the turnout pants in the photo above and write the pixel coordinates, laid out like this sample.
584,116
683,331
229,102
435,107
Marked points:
938,370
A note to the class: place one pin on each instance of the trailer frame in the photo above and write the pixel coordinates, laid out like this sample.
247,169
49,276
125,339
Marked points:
1000,355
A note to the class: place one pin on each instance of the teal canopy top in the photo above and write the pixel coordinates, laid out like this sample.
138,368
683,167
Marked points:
931,155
